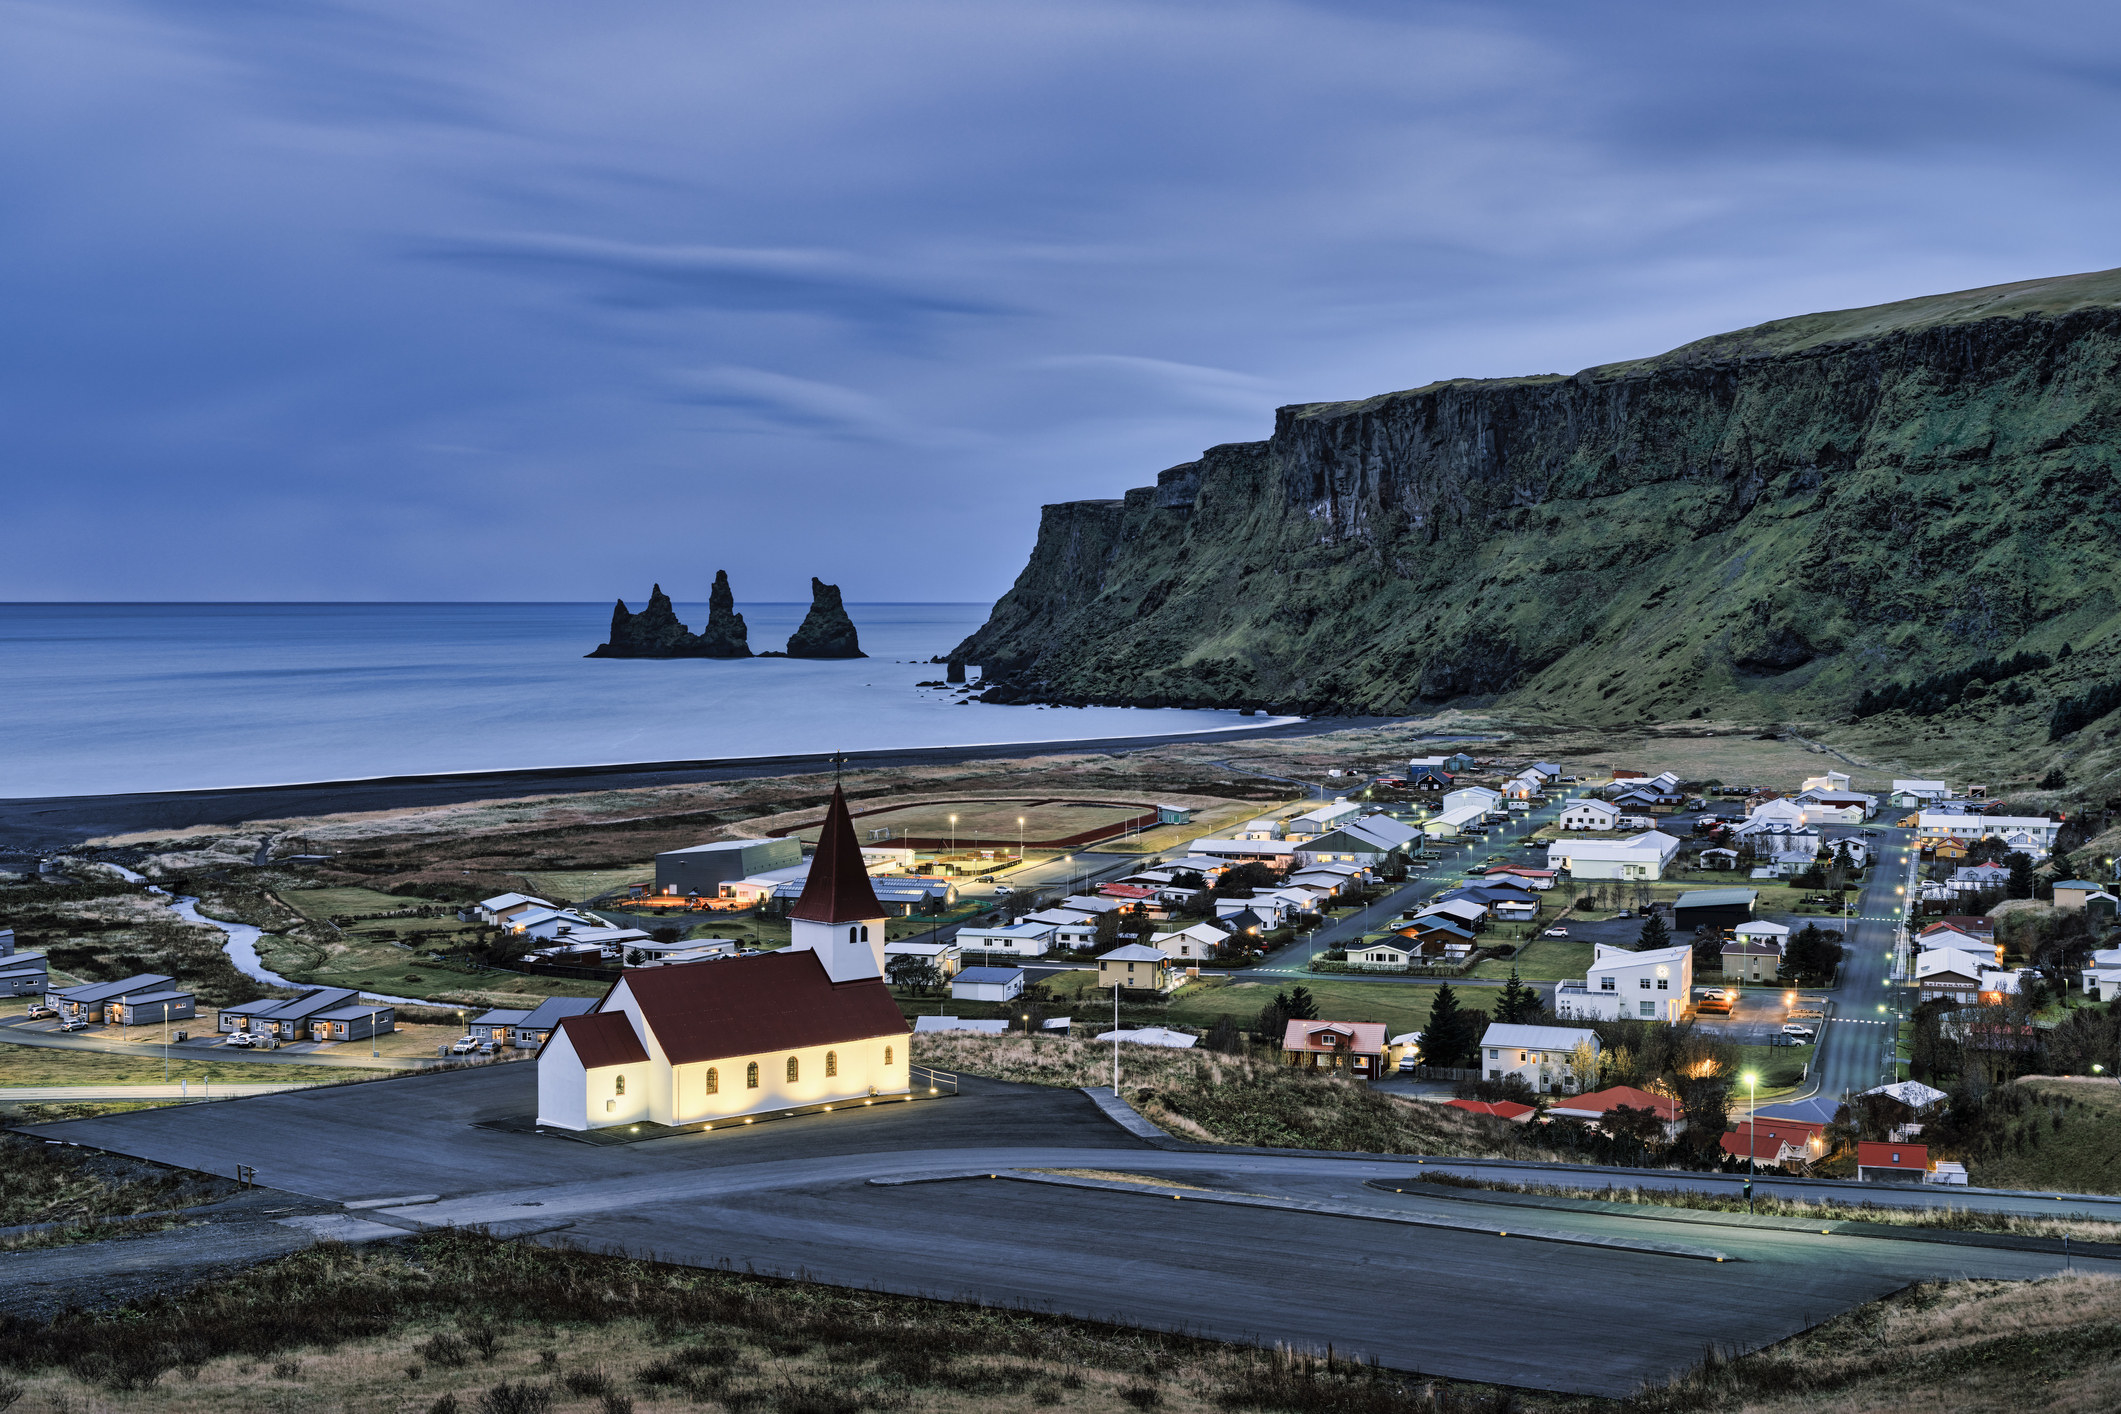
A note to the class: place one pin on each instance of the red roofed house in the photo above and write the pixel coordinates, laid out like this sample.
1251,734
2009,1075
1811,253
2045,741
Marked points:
1499,1109
1777,1141
1592,1108
696,1042
1893,1163
1356,1046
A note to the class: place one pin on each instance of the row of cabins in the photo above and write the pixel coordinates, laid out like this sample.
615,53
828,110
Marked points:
22,974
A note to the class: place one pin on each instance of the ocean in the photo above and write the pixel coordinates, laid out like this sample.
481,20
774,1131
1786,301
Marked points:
107,698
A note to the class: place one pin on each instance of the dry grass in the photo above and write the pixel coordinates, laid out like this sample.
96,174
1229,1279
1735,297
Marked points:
1225,1099
1946,1218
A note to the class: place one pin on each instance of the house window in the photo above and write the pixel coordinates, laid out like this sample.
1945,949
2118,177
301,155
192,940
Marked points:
887,1055
619,1086
1605,984
1645,983
714,1081
1649,1008
751,1076
1495,1055
832,1064
1663,986
794,1071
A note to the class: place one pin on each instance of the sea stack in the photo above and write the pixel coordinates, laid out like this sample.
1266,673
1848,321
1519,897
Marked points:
652,633
725,635
826,631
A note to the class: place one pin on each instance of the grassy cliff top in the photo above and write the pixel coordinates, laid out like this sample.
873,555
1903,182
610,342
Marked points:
2058,295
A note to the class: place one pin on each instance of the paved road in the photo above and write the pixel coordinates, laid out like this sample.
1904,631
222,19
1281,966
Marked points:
57,822
182,1090
824,1196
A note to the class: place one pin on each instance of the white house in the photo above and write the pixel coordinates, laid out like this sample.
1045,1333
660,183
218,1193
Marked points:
1654,985
1383,830
1279,853
987,984
2102,975
1322,819
1827,807
943,957
1760,930
1589,814
1473,795
500,906
1458,910
1192,945
1831,781
1024,939
1774,814
2038,831
1541,1054
1642,856
1910,793
1951,974
1379,954
1446,823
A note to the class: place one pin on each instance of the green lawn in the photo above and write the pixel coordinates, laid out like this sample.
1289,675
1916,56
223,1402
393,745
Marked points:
328,903
1400,1006
371,964
1542,959
1780,1069
34,1065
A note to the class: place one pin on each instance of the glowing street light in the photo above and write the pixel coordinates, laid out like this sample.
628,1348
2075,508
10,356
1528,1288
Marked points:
953,834
1752,1132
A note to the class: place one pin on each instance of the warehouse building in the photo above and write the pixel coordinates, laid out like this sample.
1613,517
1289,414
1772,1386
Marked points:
702,869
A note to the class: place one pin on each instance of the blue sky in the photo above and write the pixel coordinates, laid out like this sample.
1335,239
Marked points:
546,301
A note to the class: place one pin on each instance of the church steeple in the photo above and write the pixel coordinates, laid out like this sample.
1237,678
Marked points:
838,916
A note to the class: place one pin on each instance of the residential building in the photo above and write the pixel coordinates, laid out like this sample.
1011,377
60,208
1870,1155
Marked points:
700,870
1428,780
1892,1163
1192,945
538,1024
1770,814
2034,834
1444,824
1713,908
1542,1055
711,1042
22,974
1837,807
2071,893
1588,813
290,1020
945,958
496,1026
1910,795
549,924
1776,1141
1466,913
493,910
88,1002
1755,960
1831,781
1644,856
1380,954
1358,1047
138,1009
1481,796
1510,1110
1136,967
1278,853
1322,819
2101,978
1949,974
360,1020
1344,846
1545,770
1761,928
1539,879
1436,937
987,984
1025,939
1384,831
1592,1109
1954,935
1652,985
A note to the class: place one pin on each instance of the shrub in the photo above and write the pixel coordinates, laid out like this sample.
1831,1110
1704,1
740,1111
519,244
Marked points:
516,1397
446,1349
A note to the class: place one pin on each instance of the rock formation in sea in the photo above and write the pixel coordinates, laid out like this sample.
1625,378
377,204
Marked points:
826,631
725,635
652,633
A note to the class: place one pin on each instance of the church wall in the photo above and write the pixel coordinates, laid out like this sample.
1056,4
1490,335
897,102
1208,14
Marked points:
844,961
563,1086
861,1067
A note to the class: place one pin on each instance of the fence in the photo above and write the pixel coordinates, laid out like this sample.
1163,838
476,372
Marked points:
1444,1072
939,1082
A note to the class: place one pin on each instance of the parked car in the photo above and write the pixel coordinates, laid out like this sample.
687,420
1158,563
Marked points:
464,1046
1555,933
1715,994
1407,1063
487,1048
984,879
1003,891
38,1011
1802,1033
74,1023
239,1039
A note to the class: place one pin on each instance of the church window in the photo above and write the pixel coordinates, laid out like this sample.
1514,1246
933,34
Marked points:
854,935
714,1080
751,1076
865,932
887,1055
620,1087
832,1064
793,1070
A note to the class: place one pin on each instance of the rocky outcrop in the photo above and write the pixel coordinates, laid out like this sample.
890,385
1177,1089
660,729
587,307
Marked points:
656,632
826,631
1761,523
725,635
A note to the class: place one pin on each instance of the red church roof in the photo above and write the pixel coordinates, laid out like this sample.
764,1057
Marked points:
778,1001
838,888
604,1038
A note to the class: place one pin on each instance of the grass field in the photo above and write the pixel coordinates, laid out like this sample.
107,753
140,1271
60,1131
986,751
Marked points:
1542,959
1400,1006
374,965
990,824
36,1065
2081,1155
581,885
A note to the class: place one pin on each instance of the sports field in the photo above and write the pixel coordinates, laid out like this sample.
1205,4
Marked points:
992,823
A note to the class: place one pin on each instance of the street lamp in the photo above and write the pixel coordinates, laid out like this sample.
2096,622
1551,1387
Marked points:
1752,1133
953,834
1019,839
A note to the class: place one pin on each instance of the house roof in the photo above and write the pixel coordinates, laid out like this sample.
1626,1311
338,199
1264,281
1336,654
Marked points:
2077,884
1752,947
1767,1136
604,1038
547,1014
988,976
1940,963
1363,1037
1126,891
1716,898
837,889
1537,1038
777,1001
143,983
1133,952
1915,1158
500,1016
1912,1093
1500,1109
1597,1102
1429,926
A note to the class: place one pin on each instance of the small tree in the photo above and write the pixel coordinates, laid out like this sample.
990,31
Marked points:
1300,1004
1447,1039
1223,1036
2021,880
1655,934
2054,779
1583,1064
1104,934
1519,1004
913,974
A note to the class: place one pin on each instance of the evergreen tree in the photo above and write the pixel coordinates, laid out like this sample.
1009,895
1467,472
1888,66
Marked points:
1300,1004
1519,1005
1448,1039
2021,881
1655,934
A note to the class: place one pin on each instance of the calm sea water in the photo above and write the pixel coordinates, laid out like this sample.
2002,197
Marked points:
103,698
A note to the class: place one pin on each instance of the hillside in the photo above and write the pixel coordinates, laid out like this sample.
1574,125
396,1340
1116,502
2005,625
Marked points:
1757,526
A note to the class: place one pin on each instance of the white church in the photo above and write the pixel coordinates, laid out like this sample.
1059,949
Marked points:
812,1024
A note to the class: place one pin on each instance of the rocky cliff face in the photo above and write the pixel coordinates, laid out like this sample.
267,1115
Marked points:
826,631
656,631
1763,522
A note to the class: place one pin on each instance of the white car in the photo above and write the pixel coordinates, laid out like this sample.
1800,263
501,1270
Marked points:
1715,994
1555,933
1802,1033
464,1046
241,1040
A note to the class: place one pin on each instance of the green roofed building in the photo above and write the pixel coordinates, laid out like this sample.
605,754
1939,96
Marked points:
1713,908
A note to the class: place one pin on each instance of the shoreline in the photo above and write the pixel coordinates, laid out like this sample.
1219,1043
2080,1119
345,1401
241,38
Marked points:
52,823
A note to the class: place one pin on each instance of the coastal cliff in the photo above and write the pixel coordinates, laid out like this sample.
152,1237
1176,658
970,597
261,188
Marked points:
826,631
1759,523
656,631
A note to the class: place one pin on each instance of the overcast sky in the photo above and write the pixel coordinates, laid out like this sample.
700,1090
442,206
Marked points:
527,300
